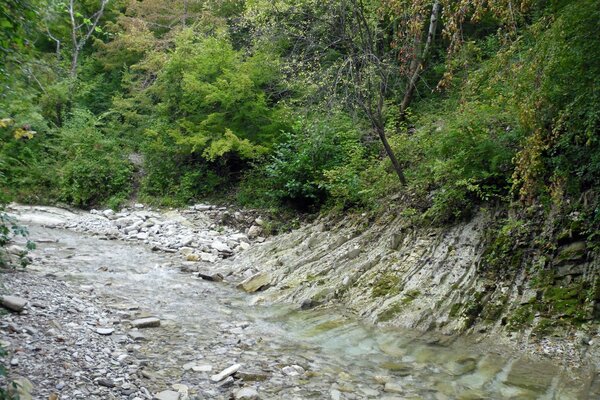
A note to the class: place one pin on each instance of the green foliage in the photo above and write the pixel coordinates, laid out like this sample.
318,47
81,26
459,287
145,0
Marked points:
213,99
93,168
557,88
9,229
321,161
462,156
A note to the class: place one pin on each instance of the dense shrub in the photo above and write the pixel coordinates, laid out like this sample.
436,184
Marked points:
321,161
93,167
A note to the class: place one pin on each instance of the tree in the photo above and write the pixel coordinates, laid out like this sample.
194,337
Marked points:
370,70
82,29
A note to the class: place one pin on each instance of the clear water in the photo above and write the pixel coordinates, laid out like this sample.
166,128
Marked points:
211,323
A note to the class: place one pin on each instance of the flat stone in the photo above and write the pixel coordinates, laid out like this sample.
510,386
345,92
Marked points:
105,382
202,368
246,393
225,382
213,277
137,336
150,322
225,373
292,370
255,282
105,331
167,395
392,387
220,246
249,376
14,303
208,257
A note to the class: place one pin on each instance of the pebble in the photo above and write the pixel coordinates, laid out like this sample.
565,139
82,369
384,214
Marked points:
105,331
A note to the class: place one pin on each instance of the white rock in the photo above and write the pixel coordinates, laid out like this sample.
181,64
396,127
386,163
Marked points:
246,393
292,370
207,257
220,246
14,303
226,372
392,387
108,213
202,368
167,395
105,331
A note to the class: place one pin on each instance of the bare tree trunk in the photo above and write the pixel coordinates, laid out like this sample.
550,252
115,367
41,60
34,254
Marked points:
185,13
74,61
420,60
80,33
390,153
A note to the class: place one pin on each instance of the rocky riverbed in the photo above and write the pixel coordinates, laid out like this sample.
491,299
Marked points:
115,309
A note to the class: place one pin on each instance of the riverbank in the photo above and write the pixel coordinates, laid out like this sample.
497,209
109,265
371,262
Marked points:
209,323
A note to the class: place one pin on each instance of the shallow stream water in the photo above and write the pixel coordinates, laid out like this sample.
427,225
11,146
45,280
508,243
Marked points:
209,323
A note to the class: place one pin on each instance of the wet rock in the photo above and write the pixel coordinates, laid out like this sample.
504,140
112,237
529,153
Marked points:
182,389
14,303
250,376
255,282
225,373
293,370
226,382
149,322
213,277
392,387
246,393
167,395
136,336
202,368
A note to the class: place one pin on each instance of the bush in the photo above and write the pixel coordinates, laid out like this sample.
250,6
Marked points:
93,169
320,161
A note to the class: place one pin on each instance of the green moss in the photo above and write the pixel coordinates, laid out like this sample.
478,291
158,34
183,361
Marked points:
387,285
521,317
390,312
454,310
410,296
492,311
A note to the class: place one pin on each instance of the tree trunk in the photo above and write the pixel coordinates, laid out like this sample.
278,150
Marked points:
418,66
74,61
391,155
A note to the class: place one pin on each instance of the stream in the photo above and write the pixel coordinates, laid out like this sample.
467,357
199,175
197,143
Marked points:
211,325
